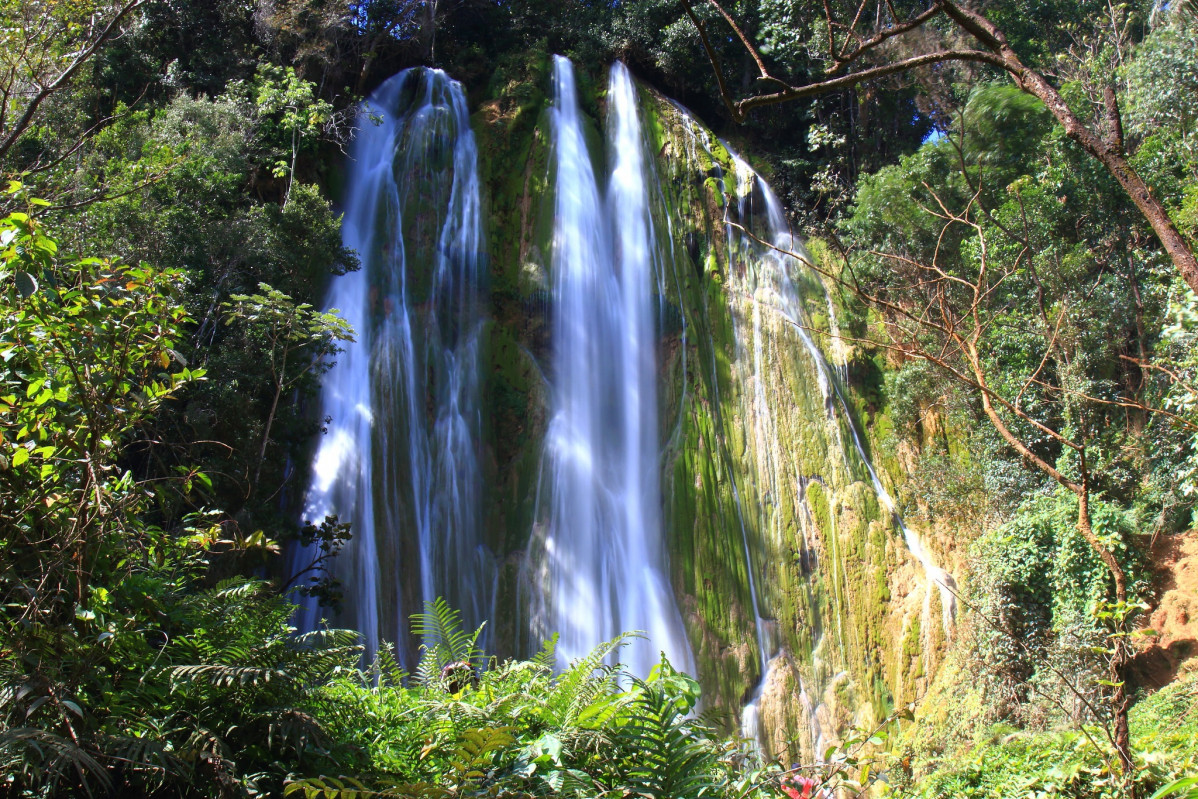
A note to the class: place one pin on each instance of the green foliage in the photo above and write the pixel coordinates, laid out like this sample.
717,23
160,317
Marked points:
289,116
120,669
519,729
184,179
1037,594
1076,764
133,399
673,760
282,332
1180,357
86,357
445,644
1163,84
324,540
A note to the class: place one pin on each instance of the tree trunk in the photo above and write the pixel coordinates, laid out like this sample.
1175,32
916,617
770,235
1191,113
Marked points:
274,406
1120,699
1113,158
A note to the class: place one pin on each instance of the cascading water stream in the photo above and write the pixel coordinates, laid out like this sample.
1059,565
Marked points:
783,295
605,560
792,311
400,460
698,138
750,722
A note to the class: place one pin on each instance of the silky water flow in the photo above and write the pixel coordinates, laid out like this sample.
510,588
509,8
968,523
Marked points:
400,458
605,570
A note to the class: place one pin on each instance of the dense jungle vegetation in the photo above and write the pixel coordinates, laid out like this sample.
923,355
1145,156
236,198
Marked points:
1015,318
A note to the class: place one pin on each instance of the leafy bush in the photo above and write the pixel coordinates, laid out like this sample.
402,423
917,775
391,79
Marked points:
121,667
466,725
1036,587
1077,764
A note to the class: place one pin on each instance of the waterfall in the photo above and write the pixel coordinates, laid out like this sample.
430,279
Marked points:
403,458
792,309
605,562
400,459
771,271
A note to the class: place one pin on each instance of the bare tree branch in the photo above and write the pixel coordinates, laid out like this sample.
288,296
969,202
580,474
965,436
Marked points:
996,52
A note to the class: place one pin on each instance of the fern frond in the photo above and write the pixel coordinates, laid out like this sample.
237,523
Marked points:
444,641
584,685
223,676
240,588
41,759
666,756
390,673
547,657
294,730
328,638
150,757
571,782
203,742
350,788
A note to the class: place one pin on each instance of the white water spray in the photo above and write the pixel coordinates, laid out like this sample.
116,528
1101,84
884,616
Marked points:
606,567
399,461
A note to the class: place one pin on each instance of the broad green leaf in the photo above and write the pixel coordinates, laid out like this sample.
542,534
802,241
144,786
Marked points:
26,284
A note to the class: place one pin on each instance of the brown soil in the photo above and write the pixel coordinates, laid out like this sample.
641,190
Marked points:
1173,646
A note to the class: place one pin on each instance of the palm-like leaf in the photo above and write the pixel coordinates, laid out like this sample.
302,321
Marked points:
666,755
583,692
444,641
38,759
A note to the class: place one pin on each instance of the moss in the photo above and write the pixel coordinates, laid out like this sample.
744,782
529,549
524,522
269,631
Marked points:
817,500
749,452
987,761
881,587
912,648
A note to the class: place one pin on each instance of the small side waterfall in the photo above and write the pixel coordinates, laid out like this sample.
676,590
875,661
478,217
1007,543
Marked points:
792,309
768,279
605,569
400,460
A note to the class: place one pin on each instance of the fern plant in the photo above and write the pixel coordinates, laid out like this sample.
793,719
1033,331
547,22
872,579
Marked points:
666,753
446,648
519,728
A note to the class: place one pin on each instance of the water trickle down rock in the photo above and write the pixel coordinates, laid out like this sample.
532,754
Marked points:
603,559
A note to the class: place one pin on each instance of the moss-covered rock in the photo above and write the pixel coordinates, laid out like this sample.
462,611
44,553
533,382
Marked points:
763,490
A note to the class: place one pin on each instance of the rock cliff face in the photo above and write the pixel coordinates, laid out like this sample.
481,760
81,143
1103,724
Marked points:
808,606
801,595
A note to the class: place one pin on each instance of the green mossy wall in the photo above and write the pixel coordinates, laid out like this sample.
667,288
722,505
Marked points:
751,452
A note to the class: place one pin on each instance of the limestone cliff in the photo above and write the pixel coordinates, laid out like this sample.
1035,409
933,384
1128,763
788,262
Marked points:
778,537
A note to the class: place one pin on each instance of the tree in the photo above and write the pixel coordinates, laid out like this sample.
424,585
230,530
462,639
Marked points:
296,340
122,670
971,256
43,47
88,356
853,40
281,99
334,36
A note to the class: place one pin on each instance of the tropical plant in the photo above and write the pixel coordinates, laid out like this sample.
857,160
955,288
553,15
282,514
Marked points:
120,669
286,332
469,726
